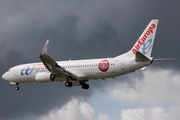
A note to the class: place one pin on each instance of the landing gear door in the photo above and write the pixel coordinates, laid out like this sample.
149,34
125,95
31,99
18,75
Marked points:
122,64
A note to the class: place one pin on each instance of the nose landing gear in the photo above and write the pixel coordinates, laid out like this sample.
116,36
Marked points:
17,87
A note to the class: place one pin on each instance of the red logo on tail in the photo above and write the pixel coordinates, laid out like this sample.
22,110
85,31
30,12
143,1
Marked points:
143,39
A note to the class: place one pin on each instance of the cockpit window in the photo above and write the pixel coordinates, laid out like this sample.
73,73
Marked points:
9,70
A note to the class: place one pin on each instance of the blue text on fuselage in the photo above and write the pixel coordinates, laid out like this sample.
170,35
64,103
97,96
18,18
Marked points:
28,70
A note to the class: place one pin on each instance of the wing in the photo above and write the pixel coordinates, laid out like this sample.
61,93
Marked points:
52,66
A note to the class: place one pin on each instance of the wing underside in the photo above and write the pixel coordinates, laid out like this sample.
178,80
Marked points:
52,65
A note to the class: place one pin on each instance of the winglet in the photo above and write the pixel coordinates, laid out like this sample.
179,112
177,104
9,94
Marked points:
45,48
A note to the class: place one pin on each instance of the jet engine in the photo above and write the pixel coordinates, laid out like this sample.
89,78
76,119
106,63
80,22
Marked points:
43,77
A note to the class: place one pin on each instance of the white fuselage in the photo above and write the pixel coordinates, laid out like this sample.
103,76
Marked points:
86,69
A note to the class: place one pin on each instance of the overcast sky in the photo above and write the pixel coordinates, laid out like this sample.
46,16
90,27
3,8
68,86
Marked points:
83,29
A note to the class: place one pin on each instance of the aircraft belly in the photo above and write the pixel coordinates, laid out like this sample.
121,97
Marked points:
61,78
133,66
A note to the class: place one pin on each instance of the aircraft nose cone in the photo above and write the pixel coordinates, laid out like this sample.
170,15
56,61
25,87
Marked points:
4,76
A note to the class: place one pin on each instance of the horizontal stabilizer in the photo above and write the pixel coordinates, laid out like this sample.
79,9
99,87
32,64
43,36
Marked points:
141,69
164,59
140,57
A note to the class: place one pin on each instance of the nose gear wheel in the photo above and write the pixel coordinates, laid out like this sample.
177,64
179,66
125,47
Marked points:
17,87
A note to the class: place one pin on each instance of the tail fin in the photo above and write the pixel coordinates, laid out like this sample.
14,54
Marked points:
145,42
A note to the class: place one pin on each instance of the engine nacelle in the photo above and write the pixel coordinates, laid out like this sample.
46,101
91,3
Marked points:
43,77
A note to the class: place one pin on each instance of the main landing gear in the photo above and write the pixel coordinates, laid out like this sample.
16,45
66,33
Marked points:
82,83
85,86
17,87
68,84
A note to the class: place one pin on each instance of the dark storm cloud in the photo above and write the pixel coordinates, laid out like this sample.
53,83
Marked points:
33,100
77,29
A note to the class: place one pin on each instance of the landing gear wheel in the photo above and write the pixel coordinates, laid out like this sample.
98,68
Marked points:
68,84
17,88
52,77
85,86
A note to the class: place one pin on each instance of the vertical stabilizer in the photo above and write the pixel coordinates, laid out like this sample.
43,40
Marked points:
145,42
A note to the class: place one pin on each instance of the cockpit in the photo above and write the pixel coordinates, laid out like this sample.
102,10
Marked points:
7,75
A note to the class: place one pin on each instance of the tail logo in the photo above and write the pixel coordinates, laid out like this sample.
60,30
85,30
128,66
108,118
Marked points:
104,65
143,39
146,46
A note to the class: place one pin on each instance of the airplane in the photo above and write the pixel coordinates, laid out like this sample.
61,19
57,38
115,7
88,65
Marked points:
78,72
